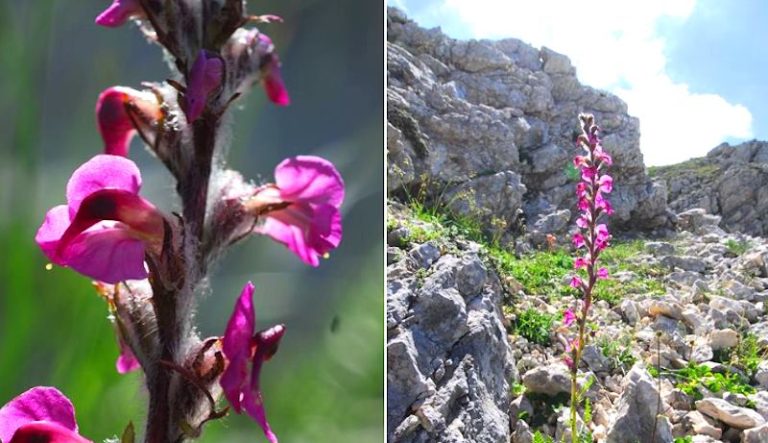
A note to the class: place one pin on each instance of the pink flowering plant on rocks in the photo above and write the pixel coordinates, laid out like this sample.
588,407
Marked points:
590,241
150,264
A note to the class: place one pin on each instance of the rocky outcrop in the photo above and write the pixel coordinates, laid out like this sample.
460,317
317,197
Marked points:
487,128
638,415
449,362
731,181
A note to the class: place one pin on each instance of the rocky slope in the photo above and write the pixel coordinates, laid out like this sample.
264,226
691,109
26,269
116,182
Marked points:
449,362
463,322
731,181
487,128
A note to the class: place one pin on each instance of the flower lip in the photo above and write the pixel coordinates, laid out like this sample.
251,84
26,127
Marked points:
40,404
310,224
144,221
105,228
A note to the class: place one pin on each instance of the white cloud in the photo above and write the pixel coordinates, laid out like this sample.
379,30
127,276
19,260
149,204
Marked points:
616,46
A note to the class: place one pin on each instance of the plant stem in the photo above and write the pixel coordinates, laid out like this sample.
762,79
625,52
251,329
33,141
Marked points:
193,190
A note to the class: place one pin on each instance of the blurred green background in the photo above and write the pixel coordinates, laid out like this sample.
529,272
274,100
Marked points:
326,382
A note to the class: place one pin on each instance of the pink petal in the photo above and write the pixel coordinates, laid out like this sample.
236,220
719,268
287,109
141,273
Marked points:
119,12
118,110
204,78
114,124
267,342
102,172
254,406
126,362
309,178
110,255
55,224
309,237
237,346
274,85
234,381
37,404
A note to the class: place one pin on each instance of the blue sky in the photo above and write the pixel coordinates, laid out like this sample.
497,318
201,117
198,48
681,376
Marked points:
694,71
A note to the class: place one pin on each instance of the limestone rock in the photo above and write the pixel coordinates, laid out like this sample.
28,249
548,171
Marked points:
491,121
551,380
638,407
735,416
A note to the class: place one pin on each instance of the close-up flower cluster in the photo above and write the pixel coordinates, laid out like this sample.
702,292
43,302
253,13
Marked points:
153,260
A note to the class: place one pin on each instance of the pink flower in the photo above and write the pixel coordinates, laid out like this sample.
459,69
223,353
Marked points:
602,237
41,414
603,204
602,273
576,282
581,189
119,12
583,221
588,173
119,110
578,240
606,183
568,317
105,228
241,347
203,79
273,80
603,157
580,161
583,204
581,262
301,210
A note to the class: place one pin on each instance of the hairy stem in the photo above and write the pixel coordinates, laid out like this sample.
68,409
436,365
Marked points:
193,190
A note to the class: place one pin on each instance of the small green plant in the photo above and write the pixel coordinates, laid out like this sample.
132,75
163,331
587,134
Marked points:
517,389
692,378
748,354
540,273
737,247
618,352
686,439
538,437
535,325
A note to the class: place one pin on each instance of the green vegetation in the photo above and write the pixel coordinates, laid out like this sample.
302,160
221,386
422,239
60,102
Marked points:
698,166
621,257
618,352
535,325
517,389
542,272
737,247
692,378
686,439
747,354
